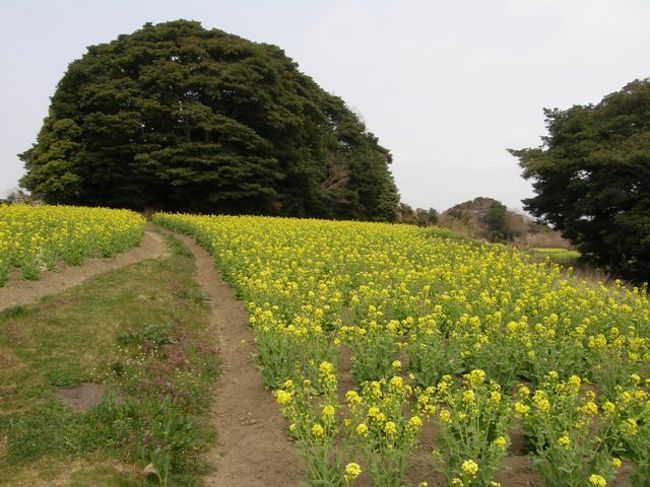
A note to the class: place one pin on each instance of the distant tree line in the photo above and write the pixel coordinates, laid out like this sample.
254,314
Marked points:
486,219
419,216
18,196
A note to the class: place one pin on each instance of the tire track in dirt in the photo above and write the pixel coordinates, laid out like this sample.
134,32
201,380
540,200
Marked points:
20,292
253,449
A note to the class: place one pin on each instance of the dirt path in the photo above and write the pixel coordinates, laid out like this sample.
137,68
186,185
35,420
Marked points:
253,449
20,292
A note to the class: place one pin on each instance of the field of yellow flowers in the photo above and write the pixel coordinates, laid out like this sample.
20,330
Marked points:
473,337
37,238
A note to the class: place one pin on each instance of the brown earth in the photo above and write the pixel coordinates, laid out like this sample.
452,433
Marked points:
83,397
18,292
253,449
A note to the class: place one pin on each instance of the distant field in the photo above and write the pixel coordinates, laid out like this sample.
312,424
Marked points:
38,238
559,256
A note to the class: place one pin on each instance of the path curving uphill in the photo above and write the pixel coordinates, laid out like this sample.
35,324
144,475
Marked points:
253,449
152,246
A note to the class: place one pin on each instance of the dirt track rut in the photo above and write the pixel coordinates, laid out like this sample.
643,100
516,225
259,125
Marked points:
253,449
20,292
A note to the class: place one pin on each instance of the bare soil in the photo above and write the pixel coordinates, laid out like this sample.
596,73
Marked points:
253,448
19,292
82,397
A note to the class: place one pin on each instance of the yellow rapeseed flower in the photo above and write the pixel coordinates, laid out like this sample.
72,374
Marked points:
476,376
597,481
574,381
564,441
609,408
521,408
317,430
415,423
500,442
328,411
590,408
469,396
631,427
352,397
445,416
283,397
495,396
469,468
326,368
390,428
362,429
373,411
352,471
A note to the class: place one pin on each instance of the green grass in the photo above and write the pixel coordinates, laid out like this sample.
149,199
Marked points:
444,232
558,255
142,332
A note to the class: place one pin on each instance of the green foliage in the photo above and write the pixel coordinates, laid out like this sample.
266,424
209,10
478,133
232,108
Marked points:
472,429
495,220
419,216
178,117
592,178
484,218
152,335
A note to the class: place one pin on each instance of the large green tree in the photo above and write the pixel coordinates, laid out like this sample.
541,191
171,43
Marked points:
178,117
591,178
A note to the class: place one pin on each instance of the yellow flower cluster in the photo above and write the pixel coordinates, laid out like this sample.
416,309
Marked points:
38,238
352,471
572,424
469,468
412,303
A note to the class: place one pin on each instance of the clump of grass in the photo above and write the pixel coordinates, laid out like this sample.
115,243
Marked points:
13,312
195,295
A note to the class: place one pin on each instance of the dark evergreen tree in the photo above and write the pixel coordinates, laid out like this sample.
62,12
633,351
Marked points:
591,177
178,117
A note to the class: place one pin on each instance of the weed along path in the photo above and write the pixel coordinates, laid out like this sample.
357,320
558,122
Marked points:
252,449
20,292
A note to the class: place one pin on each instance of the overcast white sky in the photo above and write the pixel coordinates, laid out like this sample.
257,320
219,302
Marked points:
447,86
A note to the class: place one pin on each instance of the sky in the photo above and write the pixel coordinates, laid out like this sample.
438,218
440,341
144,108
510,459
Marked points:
447,86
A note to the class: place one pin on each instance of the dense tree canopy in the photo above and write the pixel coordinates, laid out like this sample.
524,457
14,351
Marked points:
178,117
592,178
